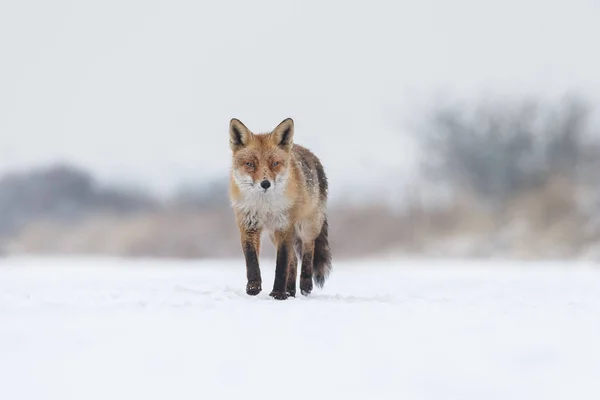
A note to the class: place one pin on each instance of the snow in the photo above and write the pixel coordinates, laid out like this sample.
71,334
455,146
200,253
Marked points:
87,328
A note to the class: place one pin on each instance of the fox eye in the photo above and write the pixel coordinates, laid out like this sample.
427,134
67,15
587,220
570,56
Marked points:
275,163
250,164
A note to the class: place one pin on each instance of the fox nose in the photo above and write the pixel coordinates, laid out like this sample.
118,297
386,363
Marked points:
265,184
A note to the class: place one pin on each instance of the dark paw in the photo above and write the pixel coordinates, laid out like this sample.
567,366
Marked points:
278,295
253,288
291,292
306,286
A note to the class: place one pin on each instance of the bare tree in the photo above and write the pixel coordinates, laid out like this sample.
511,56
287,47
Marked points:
500,148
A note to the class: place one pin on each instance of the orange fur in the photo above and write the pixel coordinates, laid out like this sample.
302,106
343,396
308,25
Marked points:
281,187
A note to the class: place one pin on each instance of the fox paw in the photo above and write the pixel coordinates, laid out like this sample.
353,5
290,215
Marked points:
253,288
278,295
306,286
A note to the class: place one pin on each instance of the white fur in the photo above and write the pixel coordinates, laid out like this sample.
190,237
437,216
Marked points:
269,209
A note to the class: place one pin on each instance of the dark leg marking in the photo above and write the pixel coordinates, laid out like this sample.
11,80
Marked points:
281,269
292,275
306,275
250,245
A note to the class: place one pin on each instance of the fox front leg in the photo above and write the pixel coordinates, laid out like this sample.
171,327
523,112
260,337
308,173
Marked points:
284,242
251,248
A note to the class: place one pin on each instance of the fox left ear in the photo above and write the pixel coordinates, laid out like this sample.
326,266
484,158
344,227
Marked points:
283,134
239,135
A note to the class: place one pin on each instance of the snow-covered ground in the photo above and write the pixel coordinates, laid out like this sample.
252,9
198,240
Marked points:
112,329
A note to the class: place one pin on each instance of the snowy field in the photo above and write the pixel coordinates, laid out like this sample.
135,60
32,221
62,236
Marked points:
111,329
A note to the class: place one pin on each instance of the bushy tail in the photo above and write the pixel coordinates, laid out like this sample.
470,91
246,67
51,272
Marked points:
322,256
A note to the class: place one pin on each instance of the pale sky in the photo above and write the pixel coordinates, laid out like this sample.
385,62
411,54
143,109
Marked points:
144,90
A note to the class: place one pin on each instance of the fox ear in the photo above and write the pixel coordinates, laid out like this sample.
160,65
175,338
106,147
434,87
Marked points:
239,135
283,134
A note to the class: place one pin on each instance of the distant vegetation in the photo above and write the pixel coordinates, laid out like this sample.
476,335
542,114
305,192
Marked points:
497,149
61,193
522,176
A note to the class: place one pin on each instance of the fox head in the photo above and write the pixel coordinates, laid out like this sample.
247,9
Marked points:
261,162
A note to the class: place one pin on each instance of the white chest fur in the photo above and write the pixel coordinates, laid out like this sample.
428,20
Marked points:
266,209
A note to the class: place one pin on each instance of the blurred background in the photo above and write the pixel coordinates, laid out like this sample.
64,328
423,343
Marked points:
450,129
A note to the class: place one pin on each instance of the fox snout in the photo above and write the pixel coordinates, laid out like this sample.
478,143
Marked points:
265,184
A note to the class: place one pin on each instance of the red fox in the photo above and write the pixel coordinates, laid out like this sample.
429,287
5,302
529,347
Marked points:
280,187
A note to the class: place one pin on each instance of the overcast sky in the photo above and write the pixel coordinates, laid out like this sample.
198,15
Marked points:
144,90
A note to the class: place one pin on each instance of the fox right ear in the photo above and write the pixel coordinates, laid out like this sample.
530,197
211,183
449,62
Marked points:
239,135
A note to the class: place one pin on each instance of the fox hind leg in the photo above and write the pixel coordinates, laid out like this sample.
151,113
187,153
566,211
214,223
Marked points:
292,274
306,273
